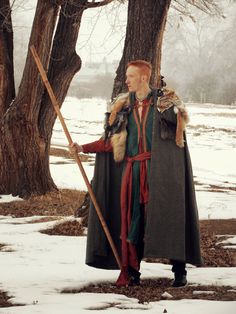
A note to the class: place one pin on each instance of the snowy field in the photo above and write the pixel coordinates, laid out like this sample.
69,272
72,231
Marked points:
35,267
211,138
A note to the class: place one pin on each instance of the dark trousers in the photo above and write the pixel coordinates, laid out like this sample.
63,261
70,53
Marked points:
178,267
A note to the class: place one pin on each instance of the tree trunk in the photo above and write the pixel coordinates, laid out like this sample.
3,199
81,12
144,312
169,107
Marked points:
7,86
144,35
21,147
31,117
26,129
64,63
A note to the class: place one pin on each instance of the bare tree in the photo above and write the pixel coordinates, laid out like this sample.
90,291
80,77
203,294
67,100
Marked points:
26,125
145,30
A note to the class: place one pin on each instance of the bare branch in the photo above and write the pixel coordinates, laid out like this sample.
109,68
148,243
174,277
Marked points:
94,4
209,7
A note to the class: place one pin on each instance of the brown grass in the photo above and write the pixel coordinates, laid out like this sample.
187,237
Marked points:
61,203
66,228
151,290
60,152
5,300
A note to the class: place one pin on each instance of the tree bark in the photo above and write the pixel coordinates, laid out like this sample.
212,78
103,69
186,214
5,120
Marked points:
144,35
21,147
64,63
7,86
27,126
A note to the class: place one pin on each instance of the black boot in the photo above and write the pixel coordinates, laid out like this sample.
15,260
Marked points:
180,280
180,273
134,277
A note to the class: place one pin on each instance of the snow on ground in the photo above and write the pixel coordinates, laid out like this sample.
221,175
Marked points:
9,198
66,174
40,265
211,138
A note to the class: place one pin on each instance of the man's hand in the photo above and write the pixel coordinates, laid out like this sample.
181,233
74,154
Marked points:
75,148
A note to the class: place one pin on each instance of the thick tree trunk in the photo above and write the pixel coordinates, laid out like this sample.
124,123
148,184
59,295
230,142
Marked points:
31,117
64,63
144,35
26,129
21,147
7,86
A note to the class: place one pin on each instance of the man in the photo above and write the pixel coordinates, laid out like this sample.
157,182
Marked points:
150,184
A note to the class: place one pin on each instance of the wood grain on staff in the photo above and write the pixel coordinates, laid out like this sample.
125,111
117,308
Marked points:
75,155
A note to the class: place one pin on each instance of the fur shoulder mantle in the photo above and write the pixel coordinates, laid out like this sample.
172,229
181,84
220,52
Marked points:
167,100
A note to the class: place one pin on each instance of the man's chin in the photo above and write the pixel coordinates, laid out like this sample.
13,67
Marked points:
131,89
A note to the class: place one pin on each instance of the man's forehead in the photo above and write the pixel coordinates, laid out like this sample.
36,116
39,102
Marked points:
132,69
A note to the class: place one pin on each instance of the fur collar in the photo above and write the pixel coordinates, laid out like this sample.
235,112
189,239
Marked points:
168,100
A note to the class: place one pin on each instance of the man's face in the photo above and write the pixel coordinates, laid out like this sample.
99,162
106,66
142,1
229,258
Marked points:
134,79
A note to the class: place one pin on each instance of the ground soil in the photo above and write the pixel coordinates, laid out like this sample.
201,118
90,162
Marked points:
61,203
5,300
56,206
151,290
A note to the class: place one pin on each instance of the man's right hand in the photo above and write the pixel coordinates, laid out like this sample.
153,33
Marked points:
75,148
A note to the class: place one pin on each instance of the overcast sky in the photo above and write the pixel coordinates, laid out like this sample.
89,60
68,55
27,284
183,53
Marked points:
102,30
101,33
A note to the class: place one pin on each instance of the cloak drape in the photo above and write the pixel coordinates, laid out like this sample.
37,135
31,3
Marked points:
171,229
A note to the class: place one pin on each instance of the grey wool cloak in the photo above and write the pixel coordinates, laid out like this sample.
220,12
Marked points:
172,229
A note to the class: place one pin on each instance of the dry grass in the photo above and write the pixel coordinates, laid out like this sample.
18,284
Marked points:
60,152
66,228
151,290
61,203
45,219
2,246
5,300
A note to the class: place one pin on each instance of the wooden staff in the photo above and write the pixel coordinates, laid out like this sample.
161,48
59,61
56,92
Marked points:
76,156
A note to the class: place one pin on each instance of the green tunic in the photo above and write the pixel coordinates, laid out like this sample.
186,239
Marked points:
139,139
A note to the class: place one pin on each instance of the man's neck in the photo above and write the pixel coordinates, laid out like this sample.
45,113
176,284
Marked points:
142,93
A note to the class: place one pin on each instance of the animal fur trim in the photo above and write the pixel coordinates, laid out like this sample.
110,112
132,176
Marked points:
118,142
168,100
117,105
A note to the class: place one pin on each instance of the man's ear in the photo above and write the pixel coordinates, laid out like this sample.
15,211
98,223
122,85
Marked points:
144,78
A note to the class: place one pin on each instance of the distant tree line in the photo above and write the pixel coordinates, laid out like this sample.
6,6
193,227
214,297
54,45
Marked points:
199,59
99,86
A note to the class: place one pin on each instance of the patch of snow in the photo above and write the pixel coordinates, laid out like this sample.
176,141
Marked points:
9,198
196,292
166,296
68,176
230,240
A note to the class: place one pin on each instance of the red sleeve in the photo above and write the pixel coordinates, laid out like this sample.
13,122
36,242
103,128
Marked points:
99,146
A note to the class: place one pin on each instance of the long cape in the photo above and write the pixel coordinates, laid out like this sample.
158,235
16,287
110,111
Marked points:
172,229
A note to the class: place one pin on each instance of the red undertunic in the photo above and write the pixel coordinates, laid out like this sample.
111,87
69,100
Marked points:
134,190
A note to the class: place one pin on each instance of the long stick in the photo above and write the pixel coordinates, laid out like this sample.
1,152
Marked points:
77,159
